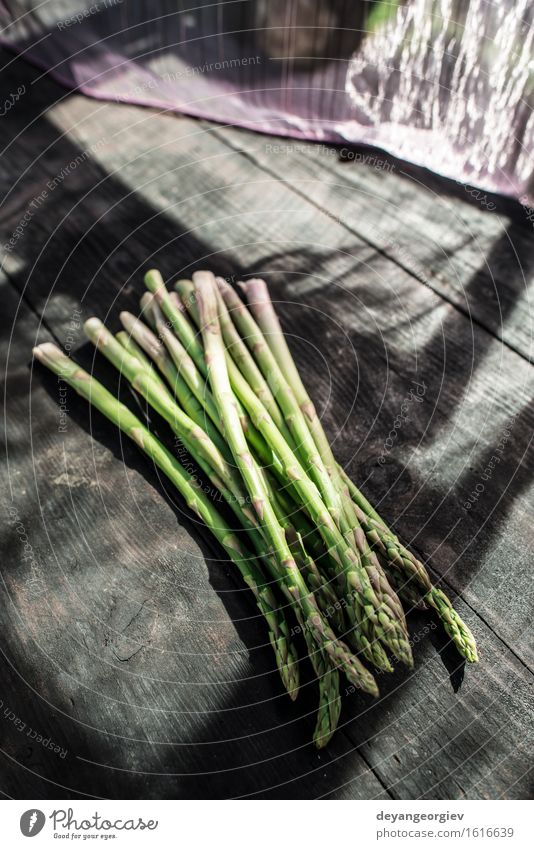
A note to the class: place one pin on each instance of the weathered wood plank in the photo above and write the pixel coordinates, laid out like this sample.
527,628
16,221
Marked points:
482,261
422,724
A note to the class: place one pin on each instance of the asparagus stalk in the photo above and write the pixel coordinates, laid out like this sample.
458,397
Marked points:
185,365
363,636
285,493
136,351
146,341
197,405
219,482
185,288
261,306
404,589
327,676
329,705
327,599
197,384
285,563
90,389
240,354
321,586
327,471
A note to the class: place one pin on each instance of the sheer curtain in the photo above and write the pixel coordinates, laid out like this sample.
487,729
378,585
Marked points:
443,83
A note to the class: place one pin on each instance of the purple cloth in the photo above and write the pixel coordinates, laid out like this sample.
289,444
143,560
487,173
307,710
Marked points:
441,83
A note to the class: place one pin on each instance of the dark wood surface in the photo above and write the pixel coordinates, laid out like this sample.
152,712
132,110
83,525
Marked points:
127,641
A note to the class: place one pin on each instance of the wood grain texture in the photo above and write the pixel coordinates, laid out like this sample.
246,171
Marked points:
438,231
130,642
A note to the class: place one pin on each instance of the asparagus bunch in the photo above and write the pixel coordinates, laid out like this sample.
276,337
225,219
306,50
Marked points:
307,543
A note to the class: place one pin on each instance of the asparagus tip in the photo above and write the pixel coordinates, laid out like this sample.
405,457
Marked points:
322,740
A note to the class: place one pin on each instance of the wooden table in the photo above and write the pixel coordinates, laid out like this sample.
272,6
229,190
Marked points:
133,664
